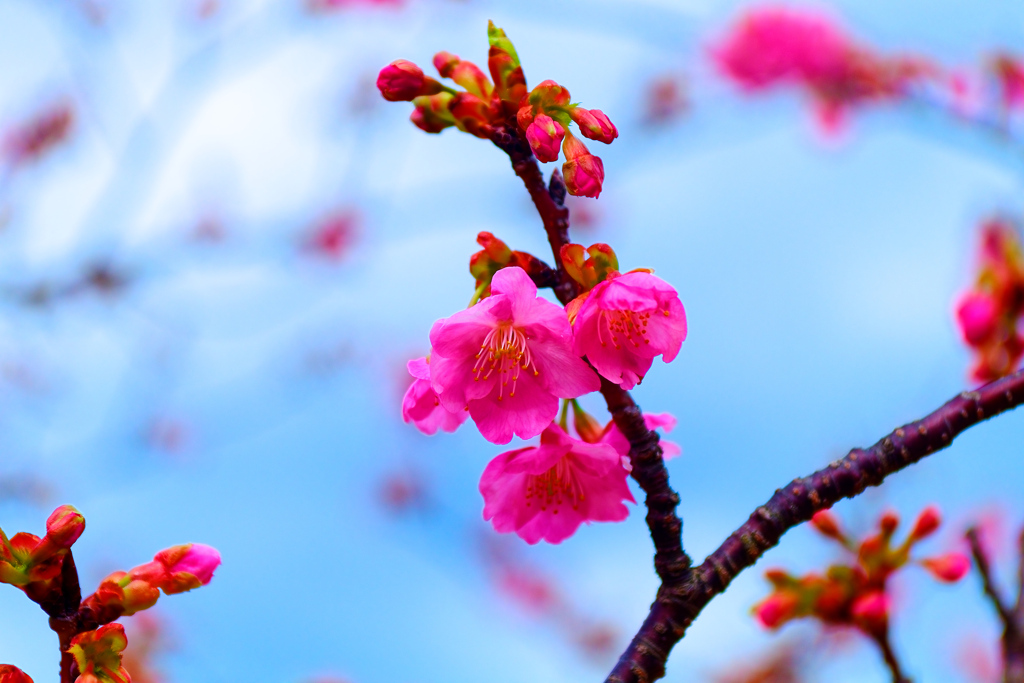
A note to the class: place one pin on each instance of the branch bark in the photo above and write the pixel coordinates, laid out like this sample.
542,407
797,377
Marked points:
1012,641
686,590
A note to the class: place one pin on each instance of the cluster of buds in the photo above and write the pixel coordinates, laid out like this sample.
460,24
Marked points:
777,46
989,315
542,114
496,255
42,568
856,594
34,564
175,570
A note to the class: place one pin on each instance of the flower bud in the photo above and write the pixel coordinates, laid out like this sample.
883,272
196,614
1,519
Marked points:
525,116
503,63
871,612
471,114
431,114
549,95
466,74
65,526
594,124
583,172
777,609
927,522
586,426
545,137
184,562
402,81
98,655
827,524
12,674
948,568
888,523
977,316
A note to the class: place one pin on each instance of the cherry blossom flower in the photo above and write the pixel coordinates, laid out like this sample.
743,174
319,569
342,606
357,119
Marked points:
545,492
627,320
508,359
422,407
614,437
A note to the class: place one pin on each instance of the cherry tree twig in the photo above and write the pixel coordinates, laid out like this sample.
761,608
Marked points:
685,590
1012,619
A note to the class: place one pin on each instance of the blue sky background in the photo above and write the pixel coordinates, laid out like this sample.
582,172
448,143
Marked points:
818,282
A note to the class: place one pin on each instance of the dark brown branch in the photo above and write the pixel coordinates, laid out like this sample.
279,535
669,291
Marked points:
678,603
1012,641
63,613
889,655
670,561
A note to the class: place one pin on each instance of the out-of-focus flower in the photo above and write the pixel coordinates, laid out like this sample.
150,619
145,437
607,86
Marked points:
1009,75
150,640
989,314
856,593
545,492
403,491
665,99
98,655
334,236
614,437
12,674
326,6
624,322
508,359
32,139
785,664
771,46
422,406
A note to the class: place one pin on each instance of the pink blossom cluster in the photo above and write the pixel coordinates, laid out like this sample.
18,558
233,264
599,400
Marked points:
990,314
772,46
508,359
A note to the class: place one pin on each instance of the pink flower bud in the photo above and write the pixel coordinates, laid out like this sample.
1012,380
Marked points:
524,117
545,137
12,674
401,81
594,124
976,314
927,522
871,611
948,568
826,523
180,568
583,172
64,526
777,609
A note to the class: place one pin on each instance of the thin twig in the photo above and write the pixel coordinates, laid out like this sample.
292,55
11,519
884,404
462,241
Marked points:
889,655
987,580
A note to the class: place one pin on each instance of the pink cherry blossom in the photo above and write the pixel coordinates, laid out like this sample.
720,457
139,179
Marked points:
545,137
545,492
614,437
626,321
508,359
423,408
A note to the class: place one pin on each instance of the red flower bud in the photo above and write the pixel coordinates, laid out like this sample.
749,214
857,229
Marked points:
586,426
466,74
471,114
401,81
594,124
98,655
927,522
871,612
948,568
64,526
545,137
549,94
777,609
524,117
431,114
12,674
827,523
888,523
977,314
180,568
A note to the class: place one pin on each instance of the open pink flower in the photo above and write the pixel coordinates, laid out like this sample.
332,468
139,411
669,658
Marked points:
547,491
509,359
423,408
614,437
626,321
